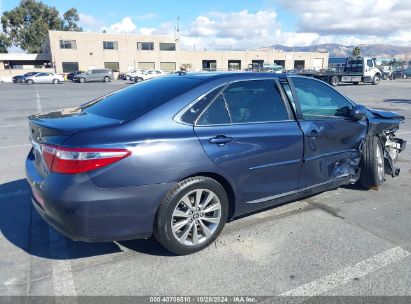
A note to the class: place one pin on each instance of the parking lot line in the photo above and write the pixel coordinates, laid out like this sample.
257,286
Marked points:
349,273
63,283
11,126
39,109
14,146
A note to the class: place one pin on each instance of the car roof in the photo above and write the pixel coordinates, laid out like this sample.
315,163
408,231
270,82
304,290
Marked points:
209,76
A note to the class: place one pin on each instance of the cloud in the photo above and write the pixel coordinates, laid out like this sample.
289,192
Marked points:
146,16
90,23
351,17
126,26
241,29
346,22
88,20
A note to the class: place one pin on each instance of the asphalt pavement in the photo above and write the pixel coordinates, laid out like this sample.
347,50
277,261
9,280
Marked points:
346,242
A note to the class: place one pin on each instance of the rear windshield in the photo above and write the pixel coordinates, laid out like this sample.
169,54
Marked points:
140,98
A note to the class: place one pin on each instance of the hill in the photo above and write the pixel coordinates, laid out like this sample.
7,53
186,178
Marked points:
339,50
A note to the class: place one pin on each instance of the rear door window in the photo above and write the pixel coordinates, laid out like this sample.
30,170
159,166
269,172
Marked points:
191,115
215,114
255,101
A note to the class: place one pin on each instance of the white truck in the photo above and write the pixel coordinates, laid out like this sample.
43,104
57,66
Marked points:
356,70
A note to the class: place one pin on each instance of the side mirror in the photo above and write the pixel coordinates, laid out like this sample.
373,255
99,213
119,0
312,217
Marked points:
358,112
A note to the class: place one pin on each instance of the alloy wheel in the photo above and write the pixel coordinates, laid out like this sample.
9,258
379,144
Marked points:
196,217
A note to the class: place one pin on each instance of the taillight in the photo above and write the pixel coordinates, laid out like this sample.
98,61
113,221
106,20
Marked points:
77,160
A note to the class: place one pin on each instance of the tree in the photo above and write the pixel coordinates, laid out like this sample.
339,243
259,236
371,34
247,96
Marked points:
27,25
356,52
4,43
70,19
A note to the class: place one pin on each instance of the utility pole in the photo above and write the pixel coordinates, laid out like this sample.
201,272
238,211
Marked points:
177,39
177,30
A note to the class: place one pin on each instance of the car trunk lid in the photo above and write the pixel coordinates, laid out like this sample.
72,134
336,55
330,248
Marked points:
56,127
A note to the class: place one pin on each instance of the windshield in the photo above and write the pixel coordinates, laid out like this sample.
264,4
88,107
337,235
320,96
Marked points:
140,98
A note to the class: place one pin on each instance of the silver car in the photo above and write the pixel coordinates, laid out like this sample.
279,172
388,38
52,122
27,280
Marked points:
105,75
44,78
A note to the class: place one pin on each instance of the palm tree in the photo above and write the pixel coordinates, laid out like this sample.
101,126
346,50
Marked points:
356,52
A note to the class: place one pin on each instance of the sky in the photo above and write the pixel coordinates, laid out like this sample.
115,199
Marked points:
248,24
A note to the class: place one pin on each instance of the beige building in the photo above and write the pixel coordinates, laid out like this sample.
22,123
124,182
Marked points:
120,52
71,51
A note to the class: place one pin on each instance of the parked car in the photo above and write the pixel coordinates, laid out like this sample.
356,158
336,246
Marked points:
105,75
44,78
273,68
402,73
70,76
133,74
178,156
308,71
293,71
254,67
386,71
149,74
20,78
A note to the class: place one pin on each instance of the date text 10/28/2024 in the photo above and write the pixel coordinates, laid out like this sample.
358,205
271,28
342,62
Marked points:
202,299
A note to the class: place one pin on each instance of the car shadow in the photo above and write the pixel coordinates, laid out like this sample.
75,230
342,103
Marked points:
22,226
398,100
354,187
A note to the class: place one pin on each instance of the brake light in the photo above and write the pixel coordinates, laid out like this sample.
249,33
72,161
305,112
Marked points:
77,160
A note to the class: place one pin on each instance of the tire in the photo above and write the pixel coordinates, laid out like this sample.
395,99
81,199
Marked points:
82,80
334,81
195,232
356,83
139,79
30,81
55,81
106,79
372,163
376,79
127,77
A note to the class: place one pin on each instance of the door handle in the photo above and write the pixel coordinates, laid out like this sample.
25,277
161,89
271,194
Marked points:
314,134
220,140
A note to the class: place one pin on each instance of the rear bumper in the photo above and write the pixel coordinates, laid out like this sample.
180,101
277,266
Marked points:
73,205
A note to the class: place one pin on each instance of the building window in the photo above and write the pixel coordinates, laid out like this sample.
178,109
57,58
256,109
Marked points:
110,45
68,44
145,46
114,66
168,66
146,65
167,46
234,65
280,62
209,65
299,64
258,61
69,67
